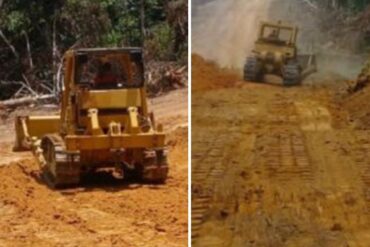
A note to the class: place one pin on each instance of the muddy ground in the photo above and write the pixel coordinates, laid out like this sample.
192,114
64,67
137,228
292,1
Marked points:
103,211
275,166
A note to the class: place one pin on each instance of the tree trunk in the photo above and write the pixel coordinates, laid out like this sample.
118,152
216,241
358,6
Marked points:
30,61
12,48
24,101
142,21
55,62
334,4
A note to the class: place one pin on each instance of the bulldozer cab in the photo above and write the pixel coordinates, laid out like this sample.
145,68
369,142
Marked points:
278,39
278,34
109,68
103,83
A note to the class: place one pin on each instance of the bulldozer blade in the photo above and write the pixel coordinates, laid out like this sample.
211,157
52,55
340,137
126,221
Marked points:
29,129
308,64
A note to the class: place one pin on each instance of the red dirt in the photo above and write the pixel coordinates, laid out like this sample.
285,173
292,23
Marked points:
209,76
103,211
279,166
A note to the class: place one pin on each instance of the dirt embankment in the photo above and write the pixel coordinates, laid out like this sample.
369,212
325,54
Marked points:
103,211
207,75
358,108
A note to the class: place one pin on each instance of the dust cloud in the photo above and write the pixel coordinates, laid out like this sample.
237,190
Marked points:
224,32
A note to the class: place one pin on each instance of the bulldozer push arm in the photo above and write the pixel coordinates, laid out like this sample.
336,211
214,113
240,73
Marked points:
30,129
115,139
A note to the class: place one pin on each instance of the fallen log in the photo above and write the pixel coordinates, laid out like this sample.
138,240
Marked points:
165,76
25,100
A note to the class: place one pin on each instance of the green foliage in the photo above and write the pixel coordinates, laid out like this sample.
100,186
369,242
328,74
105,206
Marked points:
87,23
17,21
160,43
92,22
349,5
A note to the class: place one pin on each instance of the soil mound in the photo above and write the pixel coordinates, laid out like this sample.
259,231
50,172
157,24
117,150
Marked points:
358,107
207,75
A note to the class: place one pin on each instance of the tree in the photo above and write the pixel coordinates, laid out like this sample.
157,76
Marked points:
35,33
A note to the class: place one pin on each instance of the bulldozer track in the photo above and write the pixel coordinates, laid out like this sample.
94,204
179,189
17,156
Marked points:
64,165
313,116
282,119
286,157
208,168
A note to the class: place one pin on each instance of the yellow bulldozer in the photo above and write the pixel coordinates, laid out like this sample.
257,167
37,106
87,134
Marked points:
104,122
275,52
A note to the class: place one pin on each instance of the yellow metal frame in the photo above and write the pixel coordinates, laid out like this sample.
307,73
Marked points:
112,99
28,127
288,50
105,142
279,26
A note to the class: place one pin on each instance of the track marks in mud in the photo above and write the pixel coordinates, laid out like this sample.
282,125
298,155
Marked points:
210,166
362,152
313,116
207,168
306,181
285,156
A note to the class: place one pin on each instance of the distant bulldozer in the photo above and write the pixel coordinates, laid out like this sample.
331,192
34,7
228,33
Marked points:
275,52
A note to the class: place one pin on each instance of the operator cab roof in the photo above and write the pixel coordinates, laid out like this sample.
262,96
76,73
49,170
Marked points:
108,50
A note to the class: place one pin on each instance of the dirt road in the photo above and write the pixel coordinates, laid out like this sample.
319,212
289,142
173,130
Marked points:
104,211
274,166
